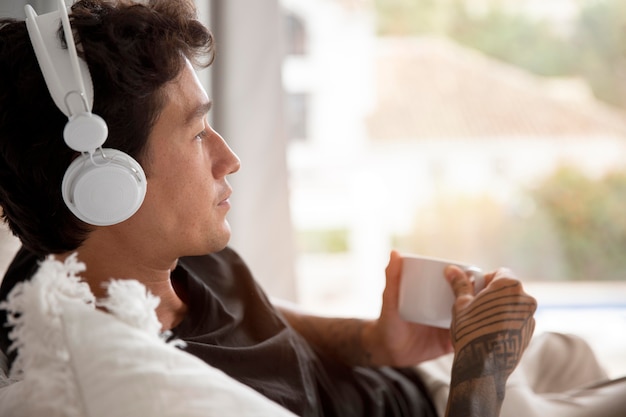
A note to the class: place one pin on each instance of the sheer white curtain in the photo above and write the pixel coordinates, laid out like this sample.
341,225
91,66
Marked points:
248,112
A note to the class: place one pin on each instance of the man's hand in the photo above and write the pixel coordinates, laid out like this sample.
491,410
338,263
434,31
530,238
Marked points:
490,331
386,341
390,340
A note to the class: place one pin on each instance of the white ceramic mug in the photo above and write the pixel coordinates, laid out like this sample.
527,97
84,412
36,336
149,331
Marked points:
426,297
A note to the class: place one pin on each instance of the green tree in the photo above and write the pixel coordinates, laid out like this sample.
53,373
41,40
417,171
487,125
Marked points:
515,39
600,37
594,48
481,229
588,216
412,17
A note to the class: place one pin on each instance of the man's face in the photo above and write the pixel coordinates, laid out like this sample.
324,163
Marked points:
184,212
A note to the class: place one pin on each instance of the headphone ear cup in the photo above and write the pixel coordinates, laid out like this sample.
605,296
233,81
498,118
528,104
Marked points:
104,188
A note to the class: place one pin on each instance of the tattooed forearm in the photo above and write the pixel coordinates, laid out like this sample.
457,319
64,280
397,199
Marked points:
493,355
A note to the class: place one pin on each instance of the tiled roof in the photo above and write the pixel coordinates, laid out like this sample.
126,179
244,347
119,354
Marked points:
433,88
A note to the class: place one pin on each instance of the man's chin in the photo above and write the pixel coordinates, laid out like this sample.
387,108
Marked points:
218,243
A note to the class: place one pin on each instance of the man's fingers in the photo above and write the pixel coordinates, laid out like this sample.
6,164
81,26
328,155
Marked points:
499,273
460,283
394,267
392,287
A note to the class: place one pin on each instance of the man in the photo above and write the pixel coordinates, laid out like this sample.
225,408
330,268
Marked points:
141,59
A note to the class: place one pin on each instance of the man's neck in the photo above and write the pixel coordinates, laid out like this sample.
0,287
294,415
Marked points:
106,262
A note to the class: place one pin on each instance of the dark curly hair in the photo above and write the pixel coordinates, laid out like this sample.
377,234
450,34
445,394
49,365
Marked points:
132,50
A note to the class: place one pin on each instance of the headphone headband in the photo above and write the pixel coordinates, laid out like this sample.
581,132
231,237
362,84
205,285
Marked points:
67,76
100,188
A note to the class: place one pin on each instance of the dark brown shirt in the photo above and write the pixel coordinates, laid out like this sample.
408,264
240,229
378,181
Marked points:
232,326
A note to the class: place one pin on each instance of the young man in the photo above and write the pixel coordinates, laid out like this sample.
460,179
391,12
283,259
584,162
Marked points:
141,59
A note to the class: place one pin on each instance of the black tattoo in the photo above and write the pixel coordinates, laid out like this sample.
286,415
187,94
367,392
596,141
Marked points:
485,348
493,355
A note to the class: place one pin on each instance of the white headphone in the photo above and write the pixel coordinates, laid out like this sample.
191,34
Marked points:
102,186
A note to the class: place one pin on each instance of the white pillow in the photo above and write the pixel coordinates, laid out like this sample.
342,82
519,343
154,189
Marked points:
75,360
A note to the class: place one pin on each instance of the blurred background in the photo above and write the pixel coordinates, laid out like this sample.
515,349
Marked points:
487,131
491,132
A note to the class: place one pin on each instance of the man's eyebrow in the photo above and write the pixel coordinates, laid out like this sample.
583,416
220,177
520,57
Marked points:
198,112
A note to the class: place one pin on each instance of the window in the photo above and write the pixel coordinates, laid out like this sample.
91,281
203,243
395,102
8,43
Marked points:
493,136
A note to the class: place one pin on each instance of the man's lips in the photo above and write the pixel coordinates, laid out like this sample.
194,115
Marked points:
225,200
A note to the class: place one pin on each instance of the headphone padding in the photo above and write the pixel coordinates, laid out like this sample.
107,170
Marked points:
105,188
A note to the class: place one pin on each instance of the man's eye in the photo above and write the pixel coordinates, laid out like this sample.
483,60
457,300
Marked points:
201,135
